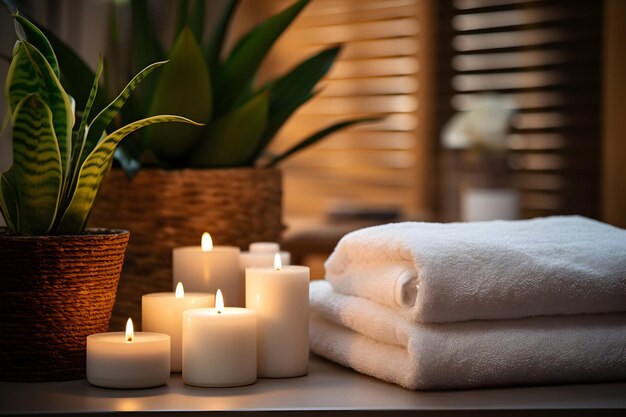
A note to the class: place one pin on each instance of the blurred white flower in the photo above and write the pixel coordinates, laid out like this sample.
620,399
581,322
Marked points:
484,125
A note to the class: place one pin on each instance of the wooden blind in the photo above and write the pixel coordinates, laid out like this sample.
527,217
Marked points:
377,73
546,55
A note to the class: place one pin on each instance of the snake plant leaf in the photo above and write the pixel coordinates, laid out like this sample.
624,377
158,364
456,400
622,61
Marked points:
316,137
101,121
76,75
35,37
213,49
31,73
8,204
94,169
36,174
249,52
79,142
128,155
232,140
184,88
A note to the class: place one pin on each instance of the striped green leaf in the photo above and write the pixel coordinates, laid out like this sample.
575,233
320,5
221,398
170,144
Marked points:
101,121
36,38
31,73
93,170
36,175
8,204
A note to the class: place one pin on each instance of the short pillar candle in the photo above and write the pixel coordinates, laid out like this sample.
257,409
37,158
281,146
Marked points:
280,297
219,346
206,268
128,359
162,312
262,254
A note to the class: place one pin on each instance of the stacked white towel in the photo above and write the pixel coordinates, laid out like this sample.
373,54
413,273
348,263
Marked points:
550,296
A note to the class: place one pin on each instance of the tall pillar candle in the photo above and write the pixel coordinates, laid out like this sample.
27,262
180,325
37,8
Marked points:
280,297
128,359
219,346
162,312
206,268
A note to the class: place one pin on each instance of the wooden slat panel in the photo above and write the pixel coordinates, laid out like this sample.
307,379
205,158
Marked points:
545,57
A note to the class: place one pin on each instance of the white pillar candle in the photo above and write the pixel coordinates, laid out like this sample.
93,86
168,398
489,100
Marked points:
219,346
128,359
280,297
162,312
262,254
206,268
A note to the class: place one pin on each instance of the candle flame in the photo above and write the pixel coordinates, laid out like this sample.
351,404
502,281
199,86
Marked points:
206,242
219,302
180,291
277,262
130,332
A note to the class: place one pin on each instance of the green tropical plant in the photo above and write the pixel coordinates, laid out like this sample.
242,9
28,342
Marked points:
205,84
57,169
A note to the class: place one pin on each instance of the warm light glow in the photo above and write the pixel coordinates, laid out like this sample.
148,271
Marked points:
207,242
180,291
219,302
277,262
130,333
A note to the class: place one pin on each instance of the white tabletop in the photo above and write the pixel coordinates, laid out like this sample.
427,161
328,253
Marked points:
328,388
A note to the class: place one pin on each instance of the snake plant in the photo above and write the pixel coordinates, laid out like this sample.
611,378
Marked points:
205,84
57,167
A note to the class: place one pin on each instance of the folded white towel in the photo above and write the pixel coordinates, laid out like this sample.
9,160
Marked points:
370,338
434,272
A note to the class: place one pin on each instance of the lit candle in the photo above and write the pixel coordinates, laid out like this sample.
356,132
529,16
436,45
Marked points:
219,346
206,268
162,312
280,297
128,359
262,254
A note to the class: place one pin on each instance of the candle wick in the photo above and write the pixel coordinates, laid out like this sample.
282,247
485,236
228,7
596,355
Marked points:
219,312
130,339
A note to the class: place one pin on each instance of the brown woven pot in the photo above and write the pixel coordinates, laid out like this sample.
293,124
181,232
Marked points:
54,292
168,209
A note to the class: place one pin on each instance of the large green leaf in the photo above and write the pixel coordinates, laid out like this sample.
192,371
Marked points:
213,50
146,48
316,137
276,120
247,55
31,73
36,38
93,170
196,20
184,88
97,127
301,80
232,140
35,175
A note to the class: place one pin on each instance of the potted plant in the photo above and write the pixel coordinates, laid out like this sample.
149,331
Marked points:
220,178
57,279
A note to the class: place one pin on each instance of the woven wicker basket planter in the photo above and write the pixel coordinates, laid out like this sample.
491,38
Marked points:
167,209
54,292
